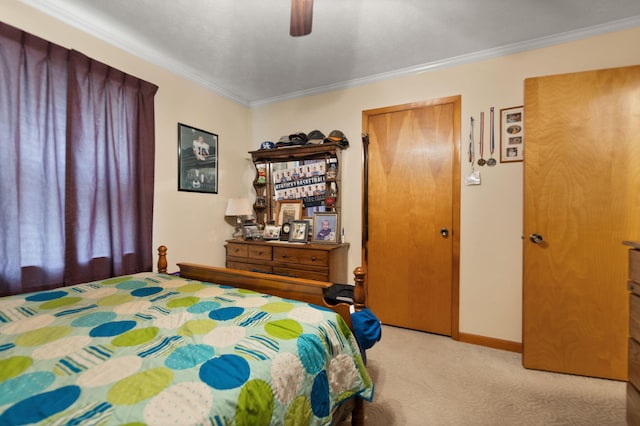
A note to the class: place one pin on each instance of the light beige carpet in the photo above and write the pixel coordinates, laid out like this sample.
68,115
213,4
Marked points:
426,379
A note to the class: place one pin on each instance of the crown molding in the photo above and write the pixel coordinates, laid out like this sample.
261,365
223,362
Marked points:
118,37
482,55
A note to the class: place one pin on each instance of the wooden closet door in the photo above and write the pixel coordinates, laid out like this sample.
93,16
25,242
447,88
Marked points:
582,196
412,197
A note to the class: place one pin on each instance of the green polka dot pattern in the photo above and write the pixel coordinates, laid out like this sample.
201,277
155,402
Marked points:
157,349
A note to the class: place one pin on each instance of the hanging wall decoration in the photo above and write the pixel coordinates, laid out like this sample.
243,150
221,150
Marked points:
512,134
197,160
298,180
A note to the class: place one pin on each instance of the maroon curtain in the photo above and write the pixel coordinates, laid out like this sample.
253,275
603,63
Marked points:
33,90
77,167
110,157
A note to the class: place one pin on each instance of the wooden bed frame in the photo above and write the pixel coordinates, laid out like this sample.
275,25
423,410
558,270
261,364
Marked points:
287,287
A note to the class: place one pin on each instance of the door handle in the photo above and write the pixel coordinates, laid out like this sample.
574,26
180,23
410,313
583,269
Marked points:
536,238
444,232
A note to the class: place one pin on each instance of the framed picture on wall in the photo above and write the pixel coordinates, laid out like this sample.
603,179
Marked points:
197,160
512,134
325,228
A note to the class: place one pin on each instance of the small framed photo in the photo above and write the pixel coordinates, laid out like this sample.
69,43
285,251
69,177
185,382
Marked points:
299,231
512,134
287,211
197,160
325,228
309,220
250,232
271,232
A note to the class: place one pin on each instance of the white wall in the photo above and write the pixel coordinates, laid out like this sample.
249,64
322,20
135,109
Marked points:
192,225
491,214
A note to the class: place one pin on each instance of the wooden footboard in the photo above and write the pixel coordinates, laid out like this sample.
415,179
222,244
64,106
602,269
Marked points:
287,287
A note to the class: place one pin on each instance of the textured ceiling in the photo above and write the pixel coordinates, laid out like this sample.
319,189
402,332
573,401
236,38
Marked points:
242,48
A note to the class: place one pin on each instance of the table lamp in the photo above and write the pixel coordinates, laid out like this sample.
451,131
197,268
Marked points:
238,207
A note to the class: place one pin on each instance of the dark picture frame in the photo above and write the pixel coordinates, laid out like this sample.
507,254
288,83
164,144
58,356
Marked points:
197,160
250,231
328,234
299,231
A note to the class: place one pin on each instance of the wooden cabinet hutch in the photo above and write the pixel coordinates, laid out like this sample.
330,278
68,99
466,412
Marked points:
317,261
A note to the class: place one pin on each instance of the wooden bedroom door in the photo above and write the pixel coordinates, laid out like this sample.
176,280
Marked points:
413,204
582,197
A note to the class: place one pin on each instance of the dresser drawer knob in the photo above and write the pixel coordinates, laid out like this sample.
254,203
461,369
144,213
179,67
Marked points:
313,258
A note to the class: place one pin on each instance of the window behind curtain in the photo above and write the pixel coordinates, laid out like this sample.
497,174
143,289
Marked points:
77,156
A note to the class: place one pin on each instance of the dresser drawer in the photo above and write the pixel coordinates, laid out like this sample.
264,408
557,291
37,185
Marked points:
260,252
634,265
286,254
301,273
253,267
634,362
303,257
314,257
237,250
633,405
634,316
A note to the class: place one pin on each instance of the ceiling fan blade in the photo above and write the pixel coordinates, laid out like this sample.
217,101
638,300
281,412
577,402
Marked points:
301,17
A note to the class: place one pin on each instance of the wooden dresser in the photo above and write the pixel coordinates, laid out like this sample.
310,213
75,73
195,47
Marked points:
633,385
322,262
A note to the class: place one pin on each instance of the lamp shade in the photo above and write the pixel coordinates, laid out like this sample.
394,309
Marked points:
238,207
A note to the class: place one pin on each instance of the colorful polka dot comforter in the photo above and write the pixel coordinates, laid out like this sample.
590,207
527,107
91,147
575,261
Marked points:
156,349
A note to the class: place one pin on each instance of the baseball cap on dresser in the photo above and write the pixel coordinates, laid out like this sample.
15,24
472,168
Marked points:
315,137
267,145
284,141
337,136
299,138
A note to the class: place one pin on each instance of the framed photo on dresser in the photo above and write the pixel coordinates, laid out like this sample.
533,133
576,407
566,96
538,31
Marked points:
325,228
288,210
271,232
299,231
250,231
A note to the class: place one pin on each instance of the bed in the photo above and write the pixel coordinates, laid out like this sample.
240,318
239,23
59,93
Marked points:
205,346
